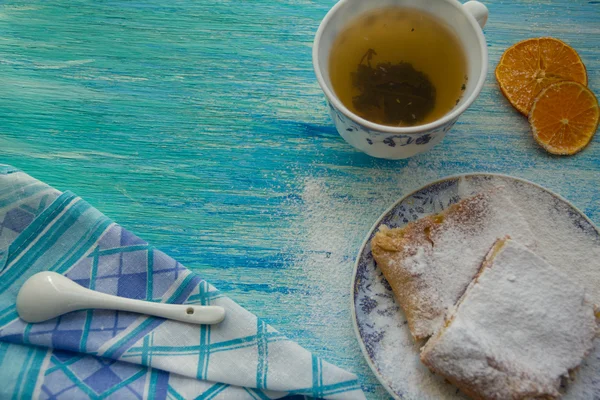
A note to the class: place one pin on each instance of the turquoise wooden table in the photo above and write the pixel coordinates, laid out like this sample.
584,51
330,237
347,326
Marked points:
199,125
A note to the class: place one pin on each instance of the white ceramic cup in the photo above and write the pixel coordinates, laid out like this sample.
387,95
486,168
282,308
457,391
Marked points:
466,20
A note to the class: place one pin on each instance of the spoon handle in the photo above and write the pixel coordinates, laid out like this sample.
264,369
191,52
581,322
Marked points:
192,314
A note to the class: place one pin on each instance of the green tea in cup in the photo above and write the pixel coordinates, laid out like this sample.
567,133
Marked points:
398,66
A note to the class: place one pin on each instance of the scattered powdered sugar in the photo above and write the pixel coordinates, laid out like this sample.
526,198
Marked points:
562,236
518,330
330,226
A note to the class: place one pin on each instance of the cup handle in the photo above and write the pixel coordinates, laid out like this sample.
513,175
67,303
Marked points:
477,10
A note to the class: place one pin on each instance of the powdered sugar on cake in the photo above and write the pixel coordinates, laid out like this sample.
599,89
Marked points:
563,241
521,326
442,266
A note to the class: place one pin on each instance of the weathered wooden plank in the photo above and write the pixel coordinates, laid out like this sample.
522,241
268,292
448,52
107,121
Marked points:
199,125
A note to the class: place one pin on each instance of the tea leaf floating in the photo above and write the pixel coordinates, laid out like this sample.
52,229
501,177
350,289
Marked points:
404,94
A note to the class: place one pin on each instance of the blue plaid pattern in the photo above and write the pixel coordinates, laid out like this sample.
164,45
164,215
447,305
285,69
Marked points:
109,354
22,199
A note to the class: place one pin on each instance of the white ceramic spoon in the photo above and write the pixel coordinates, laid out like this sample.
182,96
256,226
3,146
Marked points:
47,295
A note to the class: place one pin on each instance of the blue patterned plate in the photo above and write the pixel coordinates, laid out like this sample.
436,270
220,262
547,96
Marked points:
380,325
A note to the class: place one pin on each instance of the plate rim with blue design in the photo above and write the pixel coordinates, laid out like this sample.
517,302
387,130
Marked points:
386,214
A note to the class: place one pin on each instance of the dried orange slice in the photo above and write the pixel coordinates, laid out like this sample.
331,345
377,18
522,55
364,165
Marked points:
528,67
564,117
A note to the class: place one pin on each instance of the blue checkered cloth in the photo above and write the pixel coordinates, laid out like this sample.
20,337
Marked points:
109,354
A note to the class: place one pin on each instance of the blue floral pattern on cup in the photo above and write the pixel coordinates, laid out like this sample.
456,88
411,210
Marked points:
383,144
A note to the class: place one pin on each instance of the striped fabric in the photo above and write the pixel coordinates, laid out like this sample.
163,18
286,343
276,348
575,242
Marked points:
108,354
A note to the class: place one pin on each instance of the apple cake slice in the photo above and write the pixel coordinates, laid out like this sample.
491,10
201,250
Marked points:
516,333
